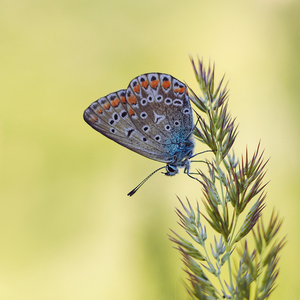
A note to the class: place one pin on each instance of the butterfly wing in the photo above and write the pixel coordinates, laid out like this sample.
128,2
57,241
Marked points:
150,116
109,116
161,110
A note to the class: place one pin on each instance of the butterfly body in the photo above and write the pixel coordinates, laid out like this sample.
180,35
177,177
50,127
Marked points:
152,117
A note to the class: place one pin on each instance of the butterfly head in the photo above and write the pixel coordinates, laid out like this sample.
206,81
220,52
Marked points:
171,170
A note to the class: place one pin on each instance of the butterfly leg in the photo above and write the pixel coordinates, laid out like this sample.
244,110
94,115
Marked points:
187,171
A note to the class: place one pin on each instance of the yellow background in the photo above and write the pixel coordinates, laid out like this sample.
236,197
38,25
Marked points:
68,230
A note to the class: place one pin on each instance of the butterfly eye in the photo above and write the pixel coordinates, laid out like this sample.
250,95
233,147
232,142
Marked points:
171,170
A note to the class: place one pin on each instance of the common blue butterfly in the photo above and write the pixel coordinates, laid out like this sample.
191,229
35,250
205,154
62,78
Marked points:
152,117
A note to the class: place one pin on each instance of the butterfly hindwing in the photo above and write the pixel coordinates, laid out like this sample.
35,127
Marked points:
161,108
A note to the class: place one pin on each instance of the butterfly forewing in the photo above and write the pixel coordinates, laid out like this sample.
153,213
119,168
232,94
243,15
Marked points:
109,116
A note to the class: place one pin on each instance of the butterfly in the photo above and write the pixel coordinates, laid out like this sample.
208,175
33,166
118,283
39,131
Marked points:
152,117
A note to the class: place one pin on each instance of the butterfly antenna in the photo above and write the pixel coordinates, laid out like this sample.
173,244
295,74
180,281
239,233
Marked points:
137,187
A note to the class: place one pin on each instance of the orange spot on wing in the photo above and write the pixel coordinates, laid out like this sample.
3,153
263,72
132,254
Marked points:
145,84
131,111
106,106
154,84
123,100
176,90
166,84
181,90
99,110
115,102
94,118
136,88
131,99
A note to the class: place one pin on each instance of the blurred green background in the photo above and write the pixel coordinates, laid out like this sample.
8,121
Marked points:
68,230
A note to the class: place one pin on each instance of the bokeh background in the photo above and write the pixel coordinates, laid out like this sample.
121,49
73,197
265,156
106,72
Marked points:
68,230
